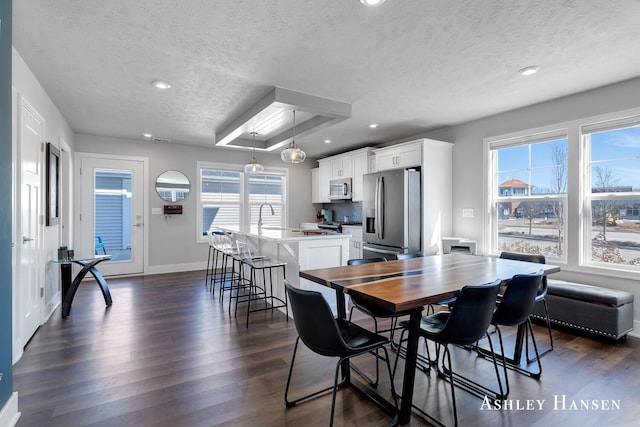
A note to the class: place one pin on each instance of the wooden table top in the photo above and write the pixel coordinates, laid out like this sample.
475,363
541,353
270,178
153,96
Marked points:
409,284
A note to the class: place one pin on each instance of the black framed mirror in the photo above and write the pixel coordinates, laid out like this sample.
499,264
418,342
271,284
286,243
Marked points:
172,186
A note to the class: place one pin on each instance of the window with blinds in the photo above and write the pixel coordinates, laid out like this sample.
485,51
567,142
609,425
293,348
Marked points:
266,189
228,197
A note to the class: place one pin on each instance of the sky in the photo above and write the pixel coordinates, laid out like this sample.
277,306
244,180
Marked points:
617,151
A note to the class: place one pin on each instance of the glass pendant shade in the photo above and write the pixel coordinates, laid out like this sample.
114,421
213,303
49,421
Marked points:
293,154
253,167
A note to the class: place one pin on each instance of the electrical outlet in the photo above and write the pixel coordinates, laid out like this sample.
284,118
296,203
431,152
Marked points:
467,213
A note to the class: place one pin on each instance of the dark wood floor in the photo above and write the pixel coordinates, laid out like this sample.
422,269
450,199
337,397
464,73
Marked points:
167,354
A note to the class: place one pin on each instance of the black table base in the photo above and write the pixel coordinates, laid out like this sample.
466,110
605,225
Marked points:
69,287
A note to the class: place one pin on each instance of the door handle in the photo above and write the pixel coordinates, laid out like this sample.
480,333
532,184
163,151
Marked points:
26,239
137,224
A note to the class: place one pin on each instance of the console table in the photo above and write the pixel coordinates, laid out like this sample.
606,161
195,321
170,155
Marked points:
69,286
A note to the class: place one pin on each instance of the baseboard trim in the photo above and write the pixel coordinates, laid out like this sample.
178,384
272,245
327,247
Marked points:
636,329
9,414
173,268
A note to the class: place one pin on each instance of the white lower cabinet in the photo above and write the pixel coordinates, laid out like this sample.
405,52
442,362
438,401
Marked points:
355,242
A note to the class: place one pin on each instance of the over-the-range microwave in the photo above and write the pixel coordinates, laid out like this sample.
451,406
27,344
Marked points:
340,189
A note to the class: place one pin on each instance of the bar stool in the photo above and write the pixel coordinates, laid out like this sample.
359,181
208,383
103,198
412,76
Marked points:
253,292
229,276
213,259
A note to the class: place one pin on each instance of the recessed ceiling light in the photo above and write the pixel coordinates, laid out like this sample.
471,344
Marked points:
527,71
373,125
147,135
327,141
162,85
372,3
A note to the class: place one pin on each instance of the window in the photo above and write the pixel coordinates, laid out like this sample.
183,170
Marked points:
229,198
529,194
611,201
266,189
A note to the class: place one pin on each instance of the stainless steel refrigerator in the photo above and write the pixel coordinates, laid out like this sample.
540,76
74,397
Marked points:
391,211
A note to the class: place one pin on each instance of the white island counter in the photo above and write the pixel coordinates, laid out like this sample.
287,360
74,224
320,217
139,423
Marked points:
300,249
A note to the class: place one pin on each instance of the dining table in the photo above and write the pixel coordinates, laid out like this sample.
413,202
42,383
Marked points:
410,285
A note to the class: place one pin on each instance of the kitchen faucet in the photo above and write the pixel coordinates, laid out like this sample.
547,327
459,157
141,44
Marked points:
260,214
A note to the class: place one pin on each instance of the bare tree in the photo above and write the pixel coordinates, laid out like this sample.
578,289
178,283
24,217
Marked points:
603,182
559,185
529,210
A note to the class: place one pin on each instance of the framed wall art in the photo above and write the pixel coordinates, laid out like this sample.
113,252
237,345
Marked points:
52,190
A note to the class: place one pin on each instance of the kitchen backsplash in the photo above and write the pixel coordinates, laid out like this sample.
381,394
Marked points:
351,209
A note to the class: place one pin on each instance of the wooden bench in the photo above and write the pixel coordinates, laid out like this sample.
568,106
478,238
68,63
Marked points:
591,309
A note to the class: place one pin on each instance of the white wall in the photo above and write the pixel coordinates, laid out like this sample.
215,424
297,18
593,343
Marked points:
27,86
468,171
172,241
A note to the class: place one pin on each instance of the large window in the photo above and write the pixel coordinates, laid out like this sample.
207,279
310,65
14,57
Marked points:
228,197
571,194
611,187
528,194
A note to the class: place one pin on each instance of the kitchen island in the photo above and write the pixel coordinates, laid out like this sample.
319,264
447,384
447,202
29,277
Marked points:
301,249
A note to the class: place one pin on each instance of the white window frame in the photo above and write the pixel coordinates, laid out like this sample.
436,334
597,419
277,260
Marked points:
586,195
492,146
245,206
577,247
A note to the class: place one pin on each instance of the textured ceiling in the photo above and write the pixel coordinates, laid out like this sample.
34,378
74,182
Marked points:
410,65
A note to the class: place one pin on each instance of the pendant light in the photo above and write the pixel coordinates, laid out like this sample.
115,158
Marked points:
253,167
293,154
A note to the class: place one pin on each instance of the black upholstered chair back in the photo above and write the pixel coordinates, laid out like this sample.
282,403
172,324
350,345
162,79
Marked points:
315,323
537,258
358,261
517,302
471,314
411,255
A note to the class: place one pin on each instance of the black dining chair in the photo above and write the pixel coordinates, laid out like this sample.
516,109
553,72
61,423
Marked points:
375,313
325,335
464,325
513,309
410,255
540,296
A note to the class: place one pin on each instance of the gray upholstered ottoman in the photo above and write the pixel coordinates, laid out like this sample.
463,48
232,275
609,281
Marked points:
592,309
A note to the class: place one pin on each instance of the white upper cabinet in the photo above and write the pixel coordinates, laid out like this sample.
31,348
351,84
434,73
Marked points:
352,164
360,167
315,186
320,183
341,166
399,156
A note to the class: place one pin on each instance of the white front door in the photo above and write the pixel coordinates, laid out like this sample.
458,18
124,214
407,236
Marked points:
112,212
30,270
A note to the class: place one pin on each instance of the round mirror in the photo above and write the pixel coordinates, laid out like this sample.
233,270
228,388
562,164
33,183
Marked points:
172,186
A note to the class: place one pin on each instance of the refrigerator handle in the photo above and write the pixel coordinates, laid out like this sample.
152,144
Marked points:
380,251
376,207
381,208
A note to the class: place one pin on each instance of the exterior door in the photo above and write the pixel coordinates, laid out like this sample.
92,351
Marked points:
30,270
112,212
